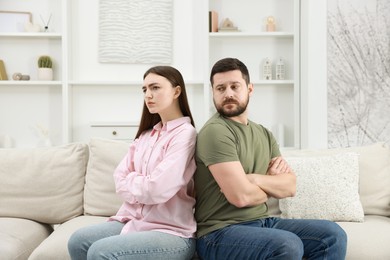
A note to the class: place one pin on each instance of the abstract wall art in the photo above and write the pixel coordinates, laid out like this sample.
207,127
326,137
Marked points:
135,31
358,72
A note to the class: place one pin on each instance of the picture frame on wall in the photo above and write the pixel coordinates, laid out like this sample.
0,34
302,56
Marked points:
14,21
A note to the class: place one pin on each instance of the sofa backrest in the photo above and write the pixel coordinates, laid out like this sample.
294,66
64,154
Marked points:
100,198
43,184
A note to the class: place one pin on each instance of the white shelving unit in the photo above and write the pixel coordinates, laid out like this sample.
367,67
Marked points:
29,108
275,103
88,98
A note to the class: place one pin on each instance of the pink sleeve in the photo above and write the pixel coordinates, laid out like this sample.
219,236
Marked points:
121,173
168,176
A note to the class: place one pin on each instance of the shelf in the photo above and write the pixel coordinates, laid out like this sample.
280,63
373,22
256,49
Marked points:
122,83
273,82
29,83
105,83
110,123
31,35
246,34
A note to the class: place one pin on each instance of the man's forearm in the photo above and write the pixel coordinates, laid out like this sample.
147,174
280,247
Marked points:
278,186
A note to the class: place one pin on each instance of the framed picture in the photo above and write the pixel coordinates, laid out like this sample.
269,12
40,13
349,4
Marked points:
14,21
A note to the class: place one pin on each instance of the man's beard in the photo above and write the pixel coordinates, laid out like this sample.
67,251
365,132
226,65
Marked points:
240,108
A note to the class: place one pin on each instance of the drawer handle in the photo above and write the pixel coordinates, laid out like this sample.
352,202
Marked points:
113,132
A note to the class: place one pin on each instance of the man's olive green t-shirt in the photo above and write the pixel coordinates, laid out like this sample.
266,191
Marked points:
223,140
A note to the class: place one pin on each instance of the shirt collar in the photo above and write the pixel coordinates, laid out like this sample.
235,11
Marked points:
159,127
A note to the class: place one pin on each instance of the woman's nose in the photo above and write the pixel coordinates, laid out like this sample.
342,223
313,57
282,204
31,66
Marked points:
148,94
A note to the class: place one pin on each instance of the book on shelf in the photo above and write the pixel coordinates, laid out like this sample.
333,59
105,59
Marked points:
3,74
213,21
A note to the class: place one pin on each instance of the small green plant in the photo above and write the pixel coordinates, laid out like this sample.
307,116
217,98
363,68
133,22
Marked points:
45,62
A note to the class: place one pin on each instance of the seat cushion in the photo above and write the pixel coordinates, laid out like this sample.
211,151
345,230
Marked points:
56,245
43,184
19,237
368,239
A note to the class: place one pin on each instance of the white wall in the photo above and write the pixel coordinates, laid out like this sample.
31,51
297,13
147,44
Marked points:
84,47
101,103
313,74
186,33
92,103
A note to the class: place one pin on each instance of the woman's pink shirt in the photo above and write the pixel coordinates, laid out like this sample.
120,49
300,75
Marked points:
155,179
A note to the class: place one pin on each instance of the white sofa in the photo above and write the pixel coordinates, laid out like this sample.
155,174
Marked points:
48,193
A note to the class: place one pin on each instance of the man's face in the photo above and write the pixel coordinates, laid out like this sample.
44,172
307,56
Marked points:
230,93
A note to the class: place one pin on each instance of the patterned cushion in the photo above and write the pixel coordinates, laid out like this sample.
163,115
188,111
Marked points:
327,188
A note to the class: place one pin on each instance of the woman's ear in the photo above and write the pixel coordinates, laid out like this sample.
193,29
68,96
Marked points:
177,91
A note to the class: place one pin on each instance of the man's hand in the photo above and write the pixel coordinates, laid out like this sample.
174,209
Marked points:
278,165
279,181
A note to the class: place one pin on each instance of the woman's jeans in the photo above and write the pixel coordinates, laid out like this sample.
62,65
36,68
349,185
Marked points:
275,238
102,241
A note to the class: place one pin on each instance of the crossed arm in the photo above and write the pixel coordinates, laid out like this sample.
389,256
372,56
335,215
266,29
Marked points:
245,190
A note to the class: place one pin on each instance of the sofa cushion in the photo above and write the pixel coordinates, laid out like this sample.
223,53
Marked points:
19,237
374,163
374,174
56,245
100,198
327,188
43,184
369,239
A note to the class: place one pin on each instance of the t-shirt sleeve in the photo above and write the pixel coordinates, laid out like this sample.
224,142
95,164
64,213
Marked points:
274,145
216,144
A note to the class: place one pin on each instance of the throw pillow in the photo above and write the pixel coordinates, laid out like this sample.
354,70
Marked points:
100,198
327,188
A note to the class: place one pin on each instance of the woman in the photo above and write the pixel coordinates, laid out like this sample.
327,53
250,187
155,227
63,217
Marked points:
154,179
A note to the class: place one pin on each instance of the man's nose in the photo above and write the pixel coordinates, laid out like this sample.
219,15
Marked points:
228,93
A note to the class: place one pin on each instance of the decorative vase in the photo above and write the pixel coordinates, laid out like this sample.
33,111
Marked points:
45,74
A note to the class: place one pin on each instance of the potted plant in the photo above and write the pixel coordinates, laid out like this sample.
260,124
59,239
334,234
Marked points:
45,68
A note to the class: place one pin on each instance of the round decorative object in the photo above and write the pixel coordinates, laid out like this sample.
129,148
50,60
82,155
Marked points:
17,76
45,74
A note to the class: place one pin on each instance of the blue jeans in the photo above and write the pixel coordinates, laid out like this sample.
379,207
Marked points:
275,238
102,241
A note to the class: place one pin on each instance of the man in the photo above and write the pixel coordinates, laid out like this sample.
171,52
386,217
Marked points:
239,166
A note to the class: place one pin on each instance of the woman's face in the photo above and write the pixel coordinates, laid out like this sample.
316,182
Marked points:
159,94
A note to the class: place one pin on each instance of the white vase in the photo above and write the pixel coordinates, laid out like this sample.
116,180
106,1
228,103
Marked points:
45,74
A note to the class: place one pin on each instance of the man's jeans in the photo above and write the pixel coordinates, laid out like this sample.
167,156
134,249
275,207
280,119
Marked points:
275,238
102,241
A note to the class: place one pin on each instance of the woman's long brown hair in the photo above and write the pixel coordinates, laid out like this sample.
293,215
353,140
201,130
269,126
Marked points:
148,120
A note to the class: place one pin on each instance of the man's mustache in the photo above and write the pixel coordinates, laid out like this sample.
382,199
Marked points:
229,101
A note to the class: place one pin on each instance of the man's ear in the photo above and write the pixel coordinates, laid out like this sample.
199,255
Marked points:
250,88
